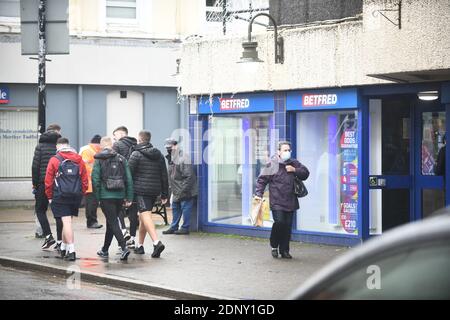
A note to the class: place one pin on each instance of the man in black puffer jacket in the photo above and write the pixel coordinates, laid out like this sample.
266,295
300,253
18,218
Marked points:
150,180
42,154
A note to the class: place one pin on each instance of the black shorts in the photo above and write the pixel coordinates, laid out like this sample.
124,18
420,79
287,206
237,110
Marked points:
145,203
65,209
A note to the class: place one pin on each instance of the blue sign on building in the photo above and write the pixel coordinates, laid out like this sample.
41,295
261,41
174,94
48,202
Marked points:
322,99
239,103
4,95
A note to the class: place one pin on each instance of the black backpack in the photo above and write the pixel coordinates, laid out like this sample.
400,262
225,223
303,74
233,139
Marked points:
113,173
67,179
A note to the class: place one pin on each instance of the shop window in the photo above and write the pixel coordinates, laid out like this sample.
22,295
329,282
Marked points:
327,145
433,131
239,146
18,138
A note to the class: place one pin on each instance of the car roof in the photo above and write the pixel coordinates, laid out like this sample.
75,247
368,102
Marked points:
433,229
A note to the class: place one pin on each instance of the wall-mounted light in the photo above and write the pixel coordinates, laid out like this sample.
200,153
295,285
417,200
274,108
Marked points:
428,95
251,55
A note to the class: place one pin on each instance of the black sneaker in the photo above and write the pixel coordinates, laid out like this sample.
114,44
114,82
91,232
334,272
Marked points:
95,226
158,249
182,231
169,231
63,253
57,247
38,235
49,241
139,250
126,236
275,253
125,254
102,253
70,257
131,244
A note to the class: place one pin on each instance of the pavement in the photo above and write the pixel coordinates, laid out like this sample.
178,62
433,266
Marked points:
195,266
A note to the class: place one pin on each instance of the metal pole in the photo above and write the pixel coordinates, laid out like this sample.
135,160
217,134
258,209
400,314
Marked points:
224,16
41,76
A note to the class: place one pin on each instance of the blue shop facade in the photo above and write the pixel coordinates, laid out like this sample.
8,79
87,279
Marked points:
371,152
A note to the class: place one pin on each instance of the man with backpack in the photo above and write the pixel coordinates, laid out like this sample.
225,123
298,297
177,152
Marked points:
124,146
66,181
113,186
149,171
42,154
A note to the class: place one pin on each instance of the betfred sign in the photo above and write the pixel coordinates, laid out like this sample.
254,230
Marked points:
4,95
234,104
322,99
314,100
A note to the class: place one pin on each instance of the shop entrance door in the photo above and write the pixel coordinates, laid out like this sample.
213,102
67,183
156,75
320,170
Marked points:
404,139
429,182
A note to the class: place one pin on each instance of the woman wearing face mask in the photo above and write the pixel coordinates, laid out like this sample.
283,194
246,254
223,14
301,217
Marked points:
280,174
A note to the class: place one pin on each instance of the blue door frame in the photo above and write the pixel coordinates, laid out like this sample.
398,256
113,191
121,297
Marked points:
415,181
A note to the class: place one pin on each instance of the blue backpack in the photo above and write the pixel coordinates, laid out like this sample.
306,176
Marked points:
67,180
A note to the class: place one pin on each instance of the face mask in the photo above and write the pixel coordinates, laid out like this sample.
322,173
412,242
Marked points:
285,156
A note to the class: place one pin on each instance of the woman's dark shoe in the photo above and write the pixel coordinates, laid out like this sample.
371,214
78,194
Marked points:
286,255
275,253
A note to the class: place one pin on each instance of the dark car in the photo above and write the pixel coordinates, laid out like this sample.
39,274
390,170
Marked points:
408,262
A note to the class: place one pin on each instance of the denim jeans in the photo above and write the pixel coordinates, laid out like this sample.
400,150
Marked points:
181,209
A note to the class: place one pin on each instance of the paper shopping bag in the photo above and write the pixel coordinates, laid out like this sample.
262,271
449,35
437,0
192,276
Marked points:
256,216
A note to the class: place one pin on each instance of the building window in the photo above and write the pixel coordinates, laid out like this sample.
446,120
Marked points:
121,9
10,8
239,147
214,10
18,138
327,145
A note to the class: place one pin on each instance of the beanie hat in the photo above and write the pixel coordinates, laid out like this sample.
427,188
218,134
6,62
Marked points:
96,139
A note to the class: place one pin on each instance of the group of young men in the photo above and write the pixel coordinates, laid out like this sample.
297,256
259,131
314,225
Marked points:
125,177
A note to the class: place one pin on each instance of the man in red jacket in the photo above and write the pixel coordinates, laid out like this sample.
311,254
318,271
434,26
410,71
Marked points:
66,181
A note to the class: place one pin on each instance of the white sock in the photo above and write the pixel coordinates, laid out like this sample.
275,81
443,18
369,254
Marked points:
71,247
139,245
63,246
155,242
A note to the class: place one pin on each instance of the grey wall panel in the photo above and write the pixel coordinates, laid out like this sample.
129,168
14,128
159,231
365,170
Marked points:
94,112
62,109
161,114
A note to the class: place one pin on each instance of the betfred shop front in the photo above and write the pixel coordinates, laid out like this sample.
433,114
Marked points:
241,132
372,154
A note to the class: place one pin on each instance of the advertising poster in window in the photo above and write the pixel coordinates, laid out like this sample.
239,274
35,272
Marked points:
349,181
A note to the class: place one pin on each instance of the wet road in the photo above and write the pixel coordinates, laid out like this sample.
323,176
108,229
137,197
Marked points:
27,285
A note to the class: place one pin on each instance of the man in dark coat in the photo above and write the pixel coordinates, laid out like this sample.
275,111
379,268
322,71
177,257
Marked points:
149,171
183,185
45,149
124,146
280,174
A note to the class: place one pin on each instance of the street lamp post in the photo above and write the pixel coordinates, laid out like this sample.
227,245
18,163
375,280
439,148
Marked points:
250,54
41,57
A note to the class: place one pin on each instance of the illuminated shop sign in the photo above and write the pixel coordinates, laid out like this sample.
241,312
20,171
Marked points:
4,95
322,99
239,103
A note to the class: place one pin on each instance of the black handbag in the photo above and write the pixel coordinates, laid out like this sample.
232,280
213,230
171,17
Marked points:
299,188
